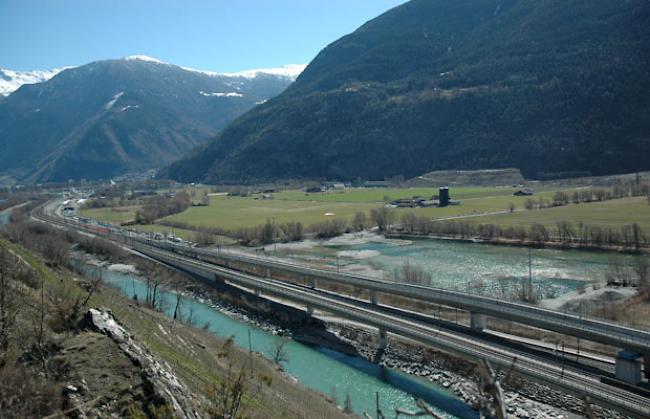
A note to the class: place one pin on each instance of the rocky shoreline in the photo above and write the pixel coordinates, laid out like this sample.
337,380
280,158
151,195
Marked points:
522,399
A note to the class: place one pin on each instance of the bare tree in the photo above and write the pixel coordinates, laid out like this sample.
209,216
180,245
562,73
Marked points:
278,352
529,204
225,396
204,238
383,217
177,307
189,320
360,221
641,269
560,198
411,273
538,233
618,274
154,281
564,231
409,221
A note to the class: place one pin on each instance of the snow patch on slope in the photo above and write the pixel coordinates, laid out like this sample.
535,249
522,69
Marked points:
11,80
220,94
127,107
115,98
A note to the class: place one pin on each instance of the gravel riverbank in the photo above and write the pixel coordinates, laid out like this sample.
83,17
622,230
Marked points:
522,399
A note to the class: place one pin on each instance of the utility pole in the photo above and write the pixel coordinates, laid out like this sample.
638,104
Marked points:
563,354
530,276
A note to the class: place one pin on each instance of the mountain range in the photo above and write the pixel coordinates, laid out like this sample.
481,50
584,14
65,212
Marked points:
110,117
552,87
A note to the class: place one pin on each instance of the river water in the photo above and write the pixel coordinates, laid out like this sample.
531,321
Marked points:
498,271
327,371
4,216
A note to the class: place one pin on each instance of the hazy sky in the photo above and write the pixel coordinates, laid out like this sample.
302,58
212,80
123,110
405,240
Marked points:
220,35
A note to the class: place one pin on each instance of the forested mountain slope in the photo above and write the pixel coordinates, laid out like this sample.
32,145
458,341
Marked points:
552,87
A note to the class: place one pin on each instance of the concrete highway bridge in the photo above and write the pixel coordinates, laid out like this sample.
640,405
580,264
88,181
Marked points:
634,343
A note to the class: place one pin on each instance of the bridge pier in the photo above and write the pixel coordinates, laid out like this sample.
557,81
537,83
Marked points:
628,367
374,299
381,346
477,321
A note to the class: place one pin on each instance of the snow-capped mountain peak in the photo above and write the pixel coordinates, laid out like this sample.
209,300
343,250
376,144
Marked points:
144,58
289,71
11,80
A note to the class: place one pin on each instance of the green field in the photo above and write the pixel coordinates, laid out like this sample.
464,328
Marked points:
111,215
231,213
480,205
614,213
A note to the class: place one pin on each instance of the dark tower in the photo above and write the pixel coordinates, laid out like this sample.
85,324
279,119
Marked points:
444,196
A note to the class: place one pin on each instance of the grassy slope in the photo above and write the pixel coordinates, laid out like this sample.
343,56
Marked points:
193,353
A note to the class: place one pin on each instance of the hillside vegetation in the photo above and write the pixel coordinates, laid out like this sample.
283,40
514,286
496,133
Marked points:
555,88
72,347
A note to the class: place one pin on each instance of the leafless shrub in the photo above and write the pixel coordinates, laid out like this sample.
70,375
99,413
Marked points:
411,273
204,238
278,351
25,394
641,269
382,217
360,221
225,396
329,228
618,274
162,206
